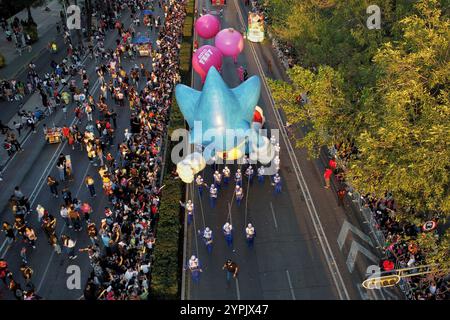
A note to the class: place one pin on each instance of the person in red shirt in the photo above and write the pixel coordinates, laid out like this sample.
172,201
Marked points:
327,177
341,195
66,132
332,164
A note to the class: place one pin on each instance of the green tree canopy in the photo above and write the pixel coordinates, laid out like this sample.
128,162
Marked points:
397,113
406,148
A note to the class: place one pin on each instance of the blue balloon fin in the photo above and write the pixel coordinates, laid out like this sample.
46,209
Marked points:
187,100
247,94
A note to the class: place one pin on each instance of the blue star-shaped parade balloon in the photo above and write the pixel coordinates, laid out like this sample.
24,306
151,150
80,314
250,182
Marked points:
218,108
220,118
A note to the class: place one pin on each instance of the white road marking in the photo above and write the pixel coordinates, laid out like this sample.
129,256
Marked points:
346,227
290,284
238,292
273,215
325,246
355,248
62,230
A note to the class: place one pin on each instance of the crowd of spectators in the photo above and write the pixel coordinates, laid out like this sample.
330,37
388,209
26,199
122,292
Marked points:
128,231
400,246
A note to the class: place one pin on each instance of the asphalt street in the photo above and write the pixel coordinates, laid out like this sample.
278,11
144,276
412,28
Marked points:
41,57
29,171
297,254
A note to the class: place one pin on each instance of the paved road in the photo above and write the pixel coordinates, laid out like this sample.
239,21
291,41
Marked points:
28,169
16,66
297,254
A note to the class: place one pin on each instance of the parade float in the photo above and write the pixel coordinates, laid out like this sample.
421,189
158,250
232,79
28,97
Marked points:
224,123
255,31
207,26
204,58
144,46
230,42
147,15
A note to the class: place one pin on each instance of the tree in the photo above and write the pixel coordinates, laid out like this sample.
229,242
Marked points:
386,92
406,147
327,113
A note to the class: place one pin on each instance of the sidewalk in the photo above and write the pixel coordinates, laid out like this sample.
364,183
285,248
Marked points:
46,22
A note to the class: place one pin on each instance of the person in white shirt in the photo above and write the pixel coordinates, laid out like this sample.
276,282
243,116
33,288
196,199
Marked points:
273,140
199,182
130,274
411,261
276,160
250,235
239,195
194,267
40,211
261,172
208,239
277,149
69,244
217,179
145,268
65,215
249,173
189,206
238,177
193,263
227,232
127,135
245,160
213,195
226,175
277,183
104,90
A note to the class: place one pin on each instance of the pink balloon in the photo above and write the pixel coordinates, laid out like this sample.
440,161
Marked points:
204,58
230,42
207,26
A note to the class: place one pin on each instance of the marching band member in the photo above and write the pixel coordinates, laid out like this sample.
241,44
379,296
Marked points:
208,238
261,171
238,177
217,179
277,183
249,173
239,195
226,175
277,149
199,182
189,206
227,232
213,195
276,160
194,267
250,235
273,140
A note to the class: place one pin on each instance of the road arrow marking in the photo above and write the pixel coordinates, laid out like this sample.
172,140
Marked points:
346,227
355,248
